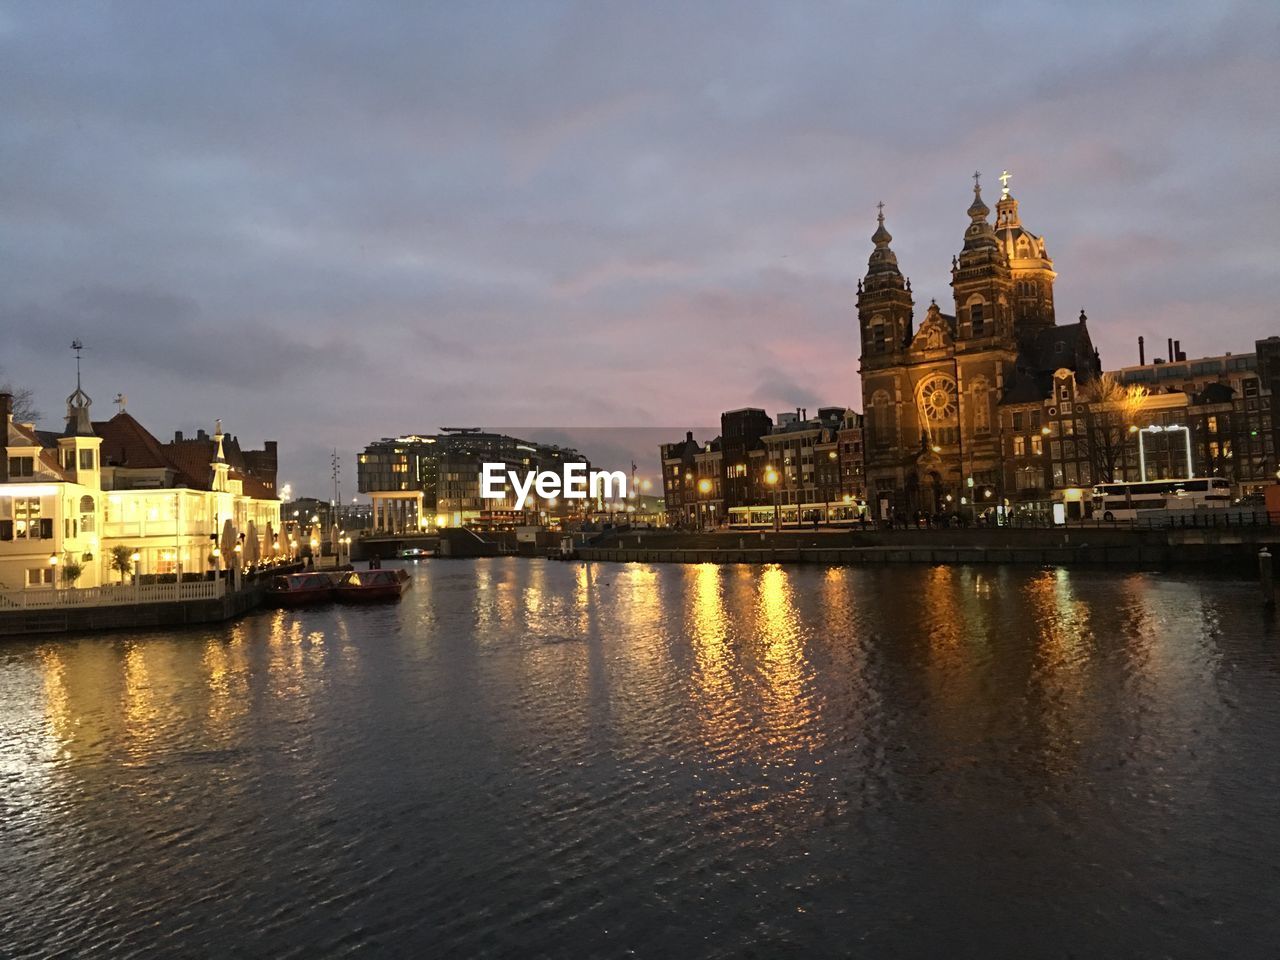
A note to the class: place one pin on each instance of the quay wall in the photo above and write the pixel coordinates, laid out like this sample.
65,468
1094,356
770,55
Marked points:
1041,547
74,619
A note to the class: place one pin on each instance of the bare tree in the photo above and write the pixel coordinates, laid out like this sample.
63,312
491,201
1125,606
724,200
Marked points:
24,409
1111,409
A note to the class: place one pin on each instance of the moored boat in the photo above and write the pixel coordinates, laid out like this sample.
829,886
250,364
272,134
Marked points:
414,553
301,590
371,586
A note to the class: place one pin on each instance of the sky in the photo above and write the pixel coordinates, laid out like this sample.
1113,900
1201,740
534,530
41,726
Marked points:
327,223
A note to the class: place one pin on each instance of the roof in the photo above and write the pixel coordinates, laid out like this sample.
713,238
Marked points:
1054,347
127,443
1215,393
1028,387
192,459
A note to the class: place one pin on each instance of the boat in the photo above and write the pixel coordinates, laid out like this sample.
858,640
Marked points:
414,553
371,586
301,590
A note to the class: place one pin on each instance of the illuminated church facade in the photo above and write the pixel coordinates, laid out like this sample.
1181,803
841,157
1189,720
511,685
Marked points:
958,408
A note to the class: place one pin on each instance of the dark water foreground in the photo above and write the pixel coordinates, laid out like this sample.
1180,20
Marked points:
536,759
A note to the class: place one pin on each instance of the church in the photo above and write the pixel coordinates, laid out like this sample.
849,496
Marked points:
958,409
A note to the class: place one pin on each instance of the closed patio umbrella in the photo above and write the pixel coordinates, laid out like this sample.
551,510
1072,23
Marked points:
228,544
252,545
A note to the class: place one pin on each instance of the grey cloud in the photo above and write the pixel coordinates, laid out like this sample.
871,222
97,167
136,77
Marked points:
338,222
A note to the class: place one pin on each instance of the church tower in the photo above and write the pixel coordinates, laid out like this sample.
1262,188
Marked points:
884,304
1029,264
78,447
981,280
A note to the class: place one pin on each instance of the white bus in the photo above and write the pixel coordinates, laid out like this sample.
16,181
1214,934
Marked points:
1128,501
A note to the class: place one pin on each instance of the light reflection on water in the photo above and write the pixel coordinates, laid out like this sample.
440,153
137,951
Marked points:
528,758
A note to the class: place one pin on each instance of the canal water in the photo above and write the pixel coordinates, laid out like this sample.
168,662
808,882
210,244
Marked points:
529,759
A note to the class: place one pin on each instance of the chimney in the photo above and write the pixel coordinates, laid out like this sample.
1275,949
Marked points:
177,436
1170,353
6,414
1142,353
688,436
1177,351
201,435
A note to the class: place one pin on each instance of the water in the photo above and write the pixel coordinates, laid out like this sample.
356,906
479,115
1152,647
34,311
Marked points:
537,759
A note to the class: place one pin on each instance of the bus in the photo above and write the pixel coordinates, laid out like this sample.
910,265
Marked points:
1128,501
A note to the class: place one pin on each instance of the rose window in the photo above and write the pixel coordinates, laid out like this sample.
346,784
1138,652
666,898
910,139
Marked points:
938,397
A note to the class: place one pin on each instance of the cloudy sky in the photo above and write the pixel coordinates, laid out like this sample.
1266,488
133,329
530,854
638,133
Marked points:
327,223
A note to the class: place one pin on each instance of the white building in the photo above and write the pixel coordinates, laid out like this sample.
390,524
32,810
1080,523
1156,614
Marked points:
70,503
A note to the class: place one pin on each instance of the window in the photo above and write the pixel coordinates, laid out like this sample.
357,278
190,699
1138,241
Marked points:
1066,409
22,467
1019,446
40,577
978,320
1037,446
1017,421
86,459
1064,391
879,335
1027,480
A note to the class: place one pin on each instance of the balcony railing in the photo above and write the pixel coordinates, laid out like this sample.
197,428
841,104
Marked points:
38,598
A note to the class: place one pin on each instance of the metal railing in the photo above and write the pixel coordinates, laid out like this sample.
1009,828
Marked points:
38,598
1209,519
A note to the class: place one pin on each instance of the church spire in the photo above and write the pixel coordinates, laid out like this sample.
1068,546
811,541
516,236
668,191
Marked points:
980,277
882,267
884,300
78,422
978,210
1029,262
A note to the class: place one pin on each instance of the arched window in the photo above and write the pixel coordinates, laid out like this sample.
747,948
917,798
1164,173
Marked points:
937,401
87,523
977,316
879,330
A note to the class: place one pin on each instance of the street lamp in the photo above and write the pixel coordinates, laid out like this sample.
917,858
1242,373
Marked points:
771,478
704,487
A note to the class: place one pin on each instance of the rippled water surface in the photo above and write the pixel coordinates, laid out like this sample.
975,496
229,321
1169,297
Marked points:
536,759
